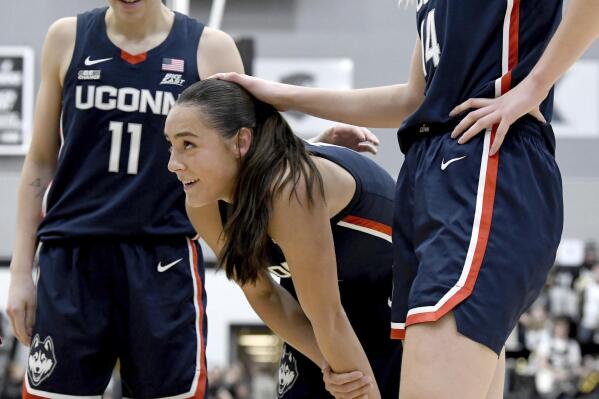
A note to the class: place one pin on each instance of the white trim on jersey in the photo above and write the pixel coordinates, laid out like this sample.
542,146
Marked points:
366,230
45,200
505,55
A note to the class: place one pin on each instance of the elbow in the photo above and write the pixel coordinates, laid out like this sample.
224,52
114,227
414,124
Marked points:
257,294
414,101
43,160
406,99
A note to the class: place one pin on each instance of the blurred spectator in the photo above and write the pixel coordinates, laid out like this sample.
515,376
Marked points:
236,381
588,386
215,381
263,384
589,324
558,362
563,298
12,362
591,257
535,324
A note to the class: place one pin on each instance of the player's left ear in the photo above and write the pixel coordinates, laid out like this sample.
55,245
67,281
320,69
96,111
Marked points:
244,141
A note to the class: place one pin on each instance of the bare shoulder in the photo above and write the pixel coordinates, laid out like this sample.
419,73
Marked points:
60,44
296,198
217,52
62,32
213,39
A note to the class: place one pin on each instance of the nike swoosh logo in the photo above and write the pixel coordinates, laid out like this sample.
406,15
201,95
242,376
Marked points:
166,267
444,164
89,62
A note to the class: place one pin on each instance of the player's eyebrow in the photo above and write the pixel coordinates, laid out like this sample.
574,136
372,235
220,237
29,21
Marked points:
182,134
185,134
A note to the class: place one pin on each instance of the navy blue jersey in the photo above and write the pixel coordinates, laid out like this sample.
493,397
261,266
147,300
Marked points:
362,238
473,48
112,177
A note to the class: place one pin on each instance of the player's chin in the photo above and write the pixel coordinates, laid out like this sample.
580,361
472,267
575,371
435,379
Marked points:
196,200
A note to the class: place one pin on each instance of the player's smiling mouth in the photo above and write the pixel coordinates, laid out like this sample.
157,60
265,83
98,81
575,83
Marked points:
189,183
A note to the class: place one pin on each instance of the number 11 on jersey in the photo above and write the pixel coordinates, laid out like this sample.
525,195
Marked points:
116,128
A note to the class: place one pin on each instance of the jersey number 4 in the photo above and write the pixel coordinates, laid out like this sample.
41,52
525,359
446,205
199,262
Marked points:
431,51
116,128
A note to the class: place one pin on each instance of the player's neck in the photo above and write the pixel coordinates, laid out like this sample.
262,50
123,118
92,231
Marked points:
158,19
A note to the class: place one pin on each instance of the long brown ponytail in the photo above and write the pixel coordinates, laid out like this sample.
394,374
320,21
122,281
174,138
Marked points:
275,159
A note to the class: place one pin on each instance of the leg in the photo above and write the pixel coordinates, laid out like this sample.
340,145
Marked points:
498,382
440,363
162,323
486,275
72,351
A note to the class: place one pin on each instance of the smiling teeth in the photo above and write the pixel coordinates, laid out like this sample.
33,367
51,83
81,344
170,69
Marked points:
190,181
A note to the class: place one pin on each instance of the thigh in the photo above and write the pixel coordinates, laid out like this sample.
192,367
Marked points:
72,351
498,382
441,363
162,323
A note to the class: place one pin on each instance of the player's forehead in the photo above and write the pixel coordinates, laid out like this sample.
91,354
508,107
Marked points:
188,119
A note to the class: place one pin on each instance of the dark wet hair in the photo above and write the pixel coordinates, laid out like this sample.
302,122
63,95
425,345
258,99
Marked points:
276,158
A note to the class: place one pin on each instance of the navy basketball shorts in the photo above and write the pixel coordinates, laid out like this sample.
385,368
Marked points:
139,303
300,378
473,234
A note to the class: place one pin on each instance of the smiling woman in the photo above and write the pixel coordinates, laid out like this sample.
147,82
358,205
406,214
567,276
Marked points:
109,76
210,162
215,124
318,216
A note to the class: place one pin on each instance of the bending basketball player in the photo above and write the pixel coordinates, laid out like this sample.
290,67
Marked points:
317,216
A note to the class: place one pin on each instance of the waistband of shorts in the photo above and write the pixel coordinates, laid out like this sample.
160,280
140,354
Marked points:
406,136
116,240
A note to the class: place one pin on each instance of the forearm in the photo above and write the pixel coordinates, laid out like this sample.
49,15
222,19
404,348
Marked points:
385,106
34,181
283,314
575,34
332,329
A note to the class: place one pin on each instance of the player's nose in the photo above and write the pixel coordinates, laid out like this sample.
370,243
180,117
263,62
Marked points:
174,164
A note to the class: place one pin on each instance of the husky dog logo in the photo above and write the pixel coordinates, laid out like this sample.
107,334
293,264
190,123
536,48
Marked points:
287,372
41,360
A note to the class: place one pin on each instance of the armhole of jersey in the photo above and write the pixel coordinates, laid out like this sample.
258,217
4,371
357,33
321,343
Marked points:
359,185
355,199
